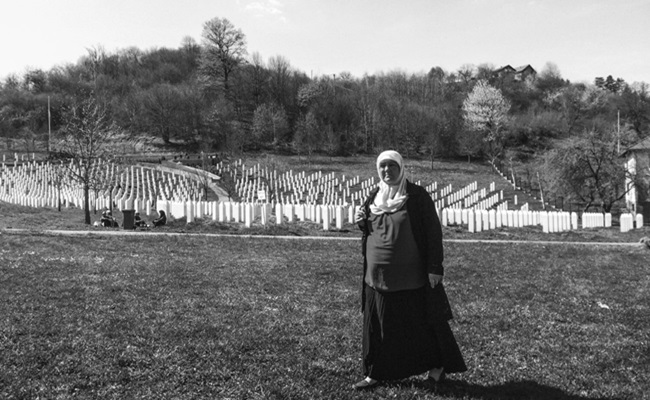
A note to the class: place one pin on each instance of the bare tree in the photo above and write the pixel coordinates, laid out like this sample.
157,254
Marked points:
587,168
224,49
280,71
202,175
57,178
161,104
258,75
86,139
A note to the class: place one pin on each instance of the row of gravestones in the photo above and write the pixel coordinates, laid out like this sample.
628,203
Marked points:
257,183
481,219
335,216
330,216
45,184
468,196
551,221
629,221
328,189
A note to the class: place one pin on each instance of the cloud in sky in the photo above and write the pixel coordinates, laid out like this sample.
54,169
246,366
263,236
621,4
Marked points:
266,8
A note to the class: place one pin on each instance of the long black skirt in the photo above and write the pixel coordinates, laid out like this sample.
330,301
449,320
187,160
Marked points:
401,339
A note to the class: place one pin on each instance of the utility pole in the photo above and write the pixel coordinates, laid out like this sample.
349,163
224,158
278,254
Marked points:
49,126
618,132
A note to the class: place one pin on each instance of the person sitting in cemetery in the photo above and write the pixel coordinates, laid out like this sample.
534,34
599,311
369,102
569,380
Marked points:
107,220
139,222
161,220
405,309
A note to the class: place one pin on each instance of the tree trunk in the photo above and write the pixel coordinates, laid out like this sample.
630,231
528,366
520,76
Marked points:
541,192
607,207
165,135
87,205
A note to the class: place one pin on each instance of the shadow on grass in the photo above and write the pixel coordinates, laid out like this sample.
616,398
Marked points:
515,390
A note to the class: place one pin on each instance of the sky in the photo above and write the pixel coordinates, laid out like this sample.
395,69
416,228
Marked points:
584,39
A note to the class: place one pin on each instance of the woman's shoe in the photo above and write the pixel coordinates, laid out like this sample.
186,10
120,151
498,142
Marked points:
367,383
437,375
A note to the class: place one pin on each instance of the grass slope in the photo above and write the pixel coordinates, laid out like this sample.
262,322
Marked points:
252,318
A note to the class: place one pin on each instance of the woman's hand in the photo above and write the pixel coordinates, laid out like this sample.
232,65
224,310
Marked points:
360,215
435,279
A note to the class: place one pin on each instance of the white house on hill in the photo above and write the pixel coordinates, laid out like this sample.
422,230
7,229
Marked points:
637,163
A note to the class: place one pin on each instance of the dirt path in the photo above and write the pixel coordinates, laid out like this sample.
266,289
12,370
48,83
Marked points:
55,232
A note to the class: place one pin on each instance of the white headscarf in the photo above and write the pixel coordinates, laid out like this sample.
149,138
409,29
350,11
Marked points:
390,198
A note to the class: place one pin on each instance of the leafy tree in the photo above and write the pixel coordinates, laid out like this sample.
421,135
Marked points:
333,103
191,113
469,144
635,107
270,123
332,141
309,93
577,104
35,81
486,112
68,81
23,113
549,79
533,131
609,83
257,78
306,137
221,129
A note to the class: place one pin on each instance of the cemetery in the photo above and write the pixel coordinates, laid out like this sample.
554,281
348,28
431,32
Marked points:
179,189
261,195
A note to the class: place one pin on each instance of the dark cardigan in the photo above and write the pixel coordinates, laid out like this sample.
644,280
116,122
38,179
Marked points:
424,223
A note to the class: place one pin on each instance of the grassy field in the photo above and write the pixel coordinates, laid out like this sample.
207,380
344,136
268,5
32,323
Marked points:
255,318
211,317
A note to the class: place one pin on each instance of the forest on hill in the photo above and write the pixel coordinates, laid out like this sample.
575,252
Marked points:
217,95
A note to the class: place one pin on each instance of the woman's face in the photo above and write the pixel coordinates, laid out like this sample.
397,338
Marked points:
389,172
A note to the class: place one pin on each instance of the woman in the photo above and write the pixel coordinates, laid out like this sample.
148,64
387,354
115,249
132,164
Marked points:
108,220
405,309
161,220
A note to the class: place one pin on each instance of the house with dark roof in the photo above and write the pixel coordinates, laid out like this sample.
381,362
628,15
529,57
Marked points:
519,74
637,164
524,72
504,71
